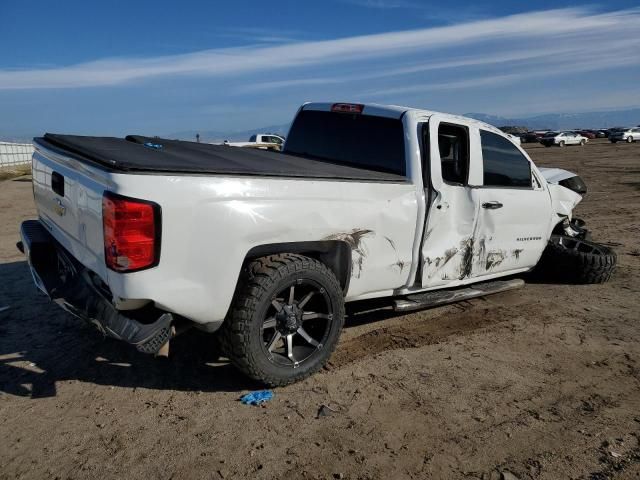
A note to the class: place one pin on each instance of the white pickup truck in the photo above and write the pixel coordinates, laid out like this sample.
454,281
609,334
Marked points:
143,236
263,141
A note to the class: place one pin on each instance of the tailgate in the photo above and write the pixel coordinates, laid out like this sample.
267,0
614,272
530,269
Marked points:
68,196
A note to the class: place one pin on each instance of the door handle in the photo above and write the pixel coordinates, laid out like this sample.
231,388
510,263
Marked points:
492,205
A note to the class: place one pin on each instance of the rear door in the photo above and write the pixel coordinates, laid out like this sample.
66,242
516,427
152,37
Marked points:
448,243
515,209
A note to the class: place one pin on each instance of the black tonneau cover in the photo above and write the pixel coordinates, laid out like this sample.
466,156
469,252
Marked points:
152,154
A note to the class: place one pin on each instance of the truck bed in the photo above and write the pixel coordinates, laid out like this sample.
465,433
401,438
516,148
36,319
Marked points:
152,154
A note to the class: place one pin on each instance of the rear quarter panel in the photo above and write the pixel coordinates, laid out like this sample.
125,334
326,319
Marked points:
209,224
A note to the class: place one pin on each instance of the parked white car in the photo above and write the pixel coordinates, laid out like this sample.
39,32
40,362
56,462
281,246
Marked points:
144,237
563,138
628,135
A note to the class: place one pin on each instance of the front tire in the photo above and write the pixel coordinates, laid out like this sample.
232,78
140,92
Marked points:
561,144
629,139
285,319
583,143
579,261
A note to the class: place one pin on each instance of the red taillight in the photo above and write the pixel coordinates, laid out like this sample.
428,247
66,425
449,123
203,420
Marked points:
131,233
347,107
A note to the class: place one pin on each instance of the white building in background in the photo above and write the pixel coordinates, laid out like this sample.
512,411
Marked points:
13,154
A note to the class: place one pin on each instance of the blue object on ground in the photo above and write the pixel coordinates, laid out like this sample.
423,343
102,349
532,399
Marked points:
257,397
155,146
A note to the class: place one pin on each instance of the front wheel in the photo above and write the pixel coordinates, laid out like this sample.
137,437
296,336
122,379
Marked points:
629,139
285,320
575,260
561,144
583,143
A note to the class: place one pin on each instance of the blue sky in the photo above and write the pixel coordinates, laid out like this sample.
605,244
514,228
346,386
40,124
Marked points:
147,67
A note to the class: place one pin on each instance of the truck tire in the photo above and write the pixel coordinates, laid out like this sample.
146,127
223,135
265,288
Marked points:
285,319
577,261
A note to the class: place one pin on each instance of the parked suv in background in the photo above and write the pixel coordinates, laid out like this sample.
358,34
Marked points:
628,135
563,138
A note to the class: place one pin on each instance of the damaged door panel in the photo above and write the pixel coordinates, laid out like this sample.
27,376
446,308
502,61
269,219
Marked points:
449,239
511,235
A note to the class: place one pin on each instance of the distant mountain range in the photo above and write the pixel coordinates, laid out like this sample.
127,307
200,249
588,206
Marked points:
566,121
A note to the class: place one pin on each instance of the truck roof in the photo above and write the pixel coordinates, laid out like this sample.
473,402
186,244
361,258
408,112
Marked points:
397,111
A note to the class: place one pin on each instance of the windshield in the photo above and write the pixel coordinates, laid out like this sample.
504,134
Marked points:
356,140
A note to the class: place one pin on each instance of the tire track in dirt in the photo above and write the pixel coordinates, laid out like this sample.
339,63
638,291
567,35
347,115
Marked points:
416,332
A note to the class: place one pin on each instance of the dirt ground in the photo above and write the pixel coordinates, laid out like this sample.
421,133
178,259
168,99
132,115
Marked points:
540,383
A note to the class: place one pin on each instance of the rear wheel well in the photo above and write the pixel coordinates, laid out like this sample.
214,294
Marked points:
335,254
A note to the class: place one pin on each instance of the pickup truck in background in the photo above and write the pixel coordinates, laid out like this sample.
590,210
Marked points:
144,236
264,141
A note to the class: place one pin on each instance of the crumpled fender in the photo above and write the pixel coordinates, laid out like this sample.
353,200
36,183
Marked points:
563,200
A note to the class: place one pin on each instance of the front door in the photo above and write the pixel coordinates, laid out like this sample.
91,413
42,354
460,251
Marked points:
514,213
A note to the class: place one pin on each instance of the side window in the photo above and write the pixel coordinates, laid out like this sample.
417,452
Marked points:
504,165
453,142
252,138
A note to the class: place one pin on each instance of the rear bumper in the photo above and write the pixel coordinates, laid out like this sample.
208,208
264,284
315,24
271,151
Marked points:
74,288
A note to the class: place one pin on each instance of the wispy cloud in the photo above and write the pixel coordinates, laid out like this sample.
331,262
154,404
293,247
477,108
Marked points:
260,35
562,25
384,4
561,63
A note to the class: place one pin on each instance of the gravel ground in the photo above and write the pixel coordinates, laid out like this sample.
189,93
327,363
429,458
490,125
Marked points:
539,383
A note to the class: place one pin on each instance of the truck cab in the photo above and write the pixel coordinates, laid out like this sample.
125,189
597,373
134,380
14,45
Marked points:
267,138
483,208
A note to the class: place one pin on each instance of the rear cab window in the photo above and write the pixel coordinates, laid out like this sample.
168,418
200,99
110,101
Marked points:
351,139
504,165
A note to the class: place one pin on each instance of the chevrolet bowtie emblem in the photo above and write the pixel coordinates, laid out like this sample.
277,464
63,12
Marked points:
59,208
